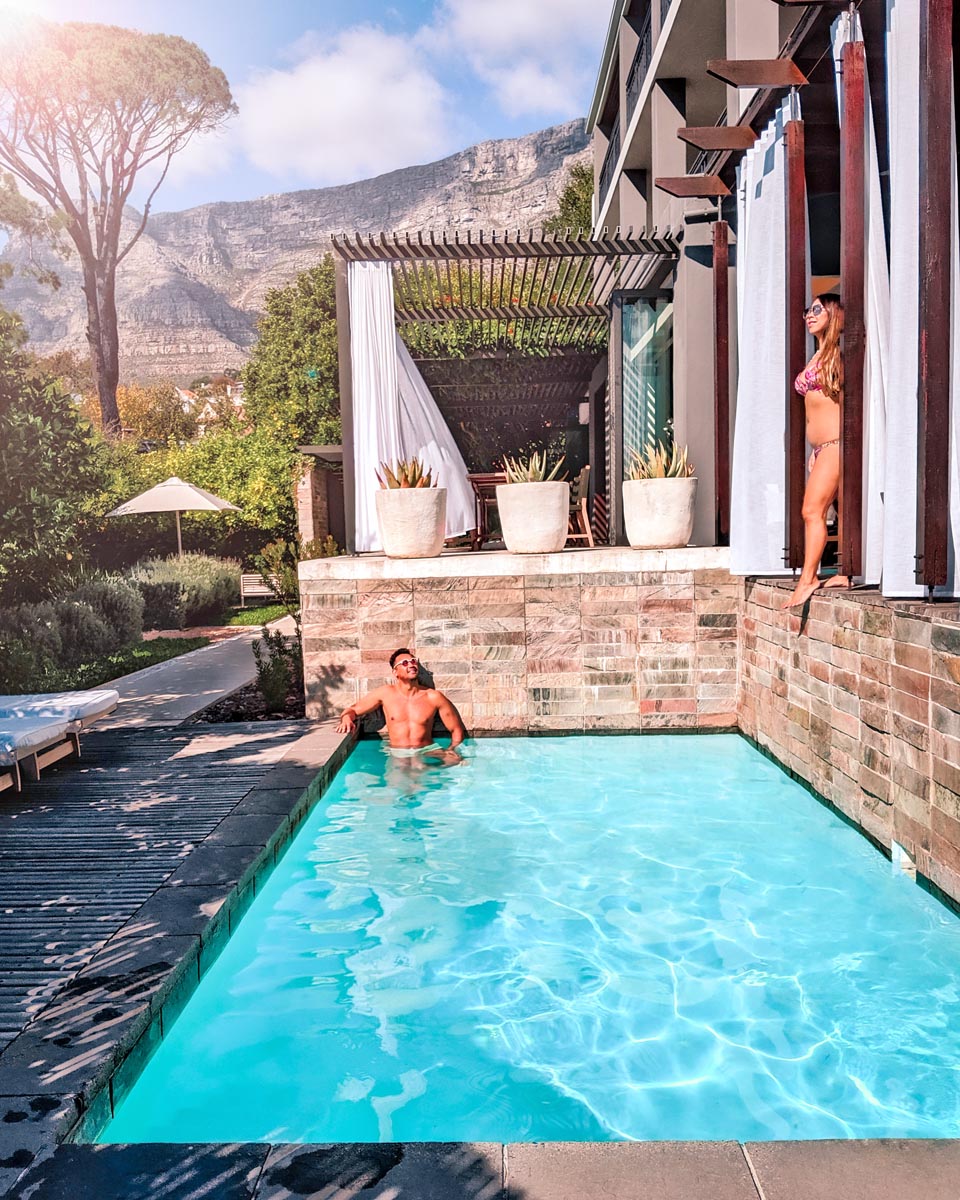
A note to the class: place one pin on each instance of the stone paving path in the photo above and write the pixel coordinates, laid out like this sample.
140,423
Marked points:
169,693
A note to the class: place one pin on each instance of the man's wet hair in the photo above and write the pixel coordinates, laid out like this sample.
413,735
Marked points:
396,654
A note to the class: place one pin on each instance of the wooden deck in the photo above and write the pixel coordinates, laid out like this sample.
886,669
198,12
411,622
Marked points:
86,846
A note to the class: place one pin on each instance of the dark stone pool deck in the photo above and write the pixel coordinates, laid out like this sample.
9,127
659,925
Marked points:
121,877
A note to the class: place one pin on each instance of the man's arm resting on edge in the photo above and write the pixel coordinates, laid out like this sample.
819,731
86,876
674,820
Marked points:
451,720
348,718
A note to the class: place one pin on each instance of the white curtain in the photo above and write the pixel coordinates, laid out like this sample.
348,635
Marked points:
757,501
900,531
394,415
425,433
846,28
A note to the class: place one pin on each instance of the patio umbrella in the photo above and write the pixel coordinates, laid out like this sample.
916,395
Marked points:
173,495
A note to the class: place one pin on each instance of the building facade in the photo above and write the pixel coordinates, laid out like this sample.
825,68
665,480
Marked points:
653,81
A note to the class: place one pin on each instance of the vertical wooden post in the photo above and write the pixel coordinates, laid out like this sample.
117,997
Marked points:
615,462
933,440
853,207
721,378
342,294
796,338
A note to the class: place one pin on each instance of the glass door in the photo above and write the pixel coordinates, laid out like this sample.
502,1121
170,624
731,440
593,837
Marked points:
647,373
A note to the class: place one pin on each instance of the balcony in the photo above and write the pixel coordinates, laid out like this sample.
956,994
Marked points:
639,67
609,164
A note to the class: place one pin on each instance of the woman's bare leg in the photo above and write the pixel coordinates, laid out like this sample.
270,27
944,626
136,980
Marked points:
820,493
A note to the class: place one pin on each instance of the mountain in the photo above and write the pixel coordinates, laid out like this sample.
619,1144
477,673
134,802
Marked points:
189,293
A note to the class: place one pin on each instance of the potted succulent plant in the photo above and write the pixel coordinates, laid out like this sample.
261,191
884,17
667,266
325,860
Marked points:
411,510
659,495
534,505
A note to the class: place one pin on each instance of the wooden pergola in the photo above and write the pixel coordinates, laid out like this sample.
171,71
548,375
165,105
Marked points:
530,313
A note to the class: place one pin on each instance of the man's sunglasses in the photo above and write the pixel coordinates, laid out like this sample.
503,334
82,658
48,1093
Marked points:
406,662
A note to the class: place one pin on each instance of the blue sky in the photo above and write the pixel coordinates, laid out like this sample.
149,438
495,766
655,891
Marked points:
331,91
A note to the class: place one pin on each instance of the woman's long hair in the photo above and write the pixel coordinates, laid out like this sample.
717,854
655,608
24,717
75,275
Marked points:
829,359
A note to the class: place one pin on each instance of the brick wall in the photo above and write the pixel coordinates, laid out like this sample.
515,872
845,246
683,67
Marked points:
313,517
862,700
552,650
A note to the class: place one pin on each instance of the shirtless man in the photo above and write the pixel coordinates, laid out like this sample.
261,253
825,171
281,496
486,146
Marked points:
409,710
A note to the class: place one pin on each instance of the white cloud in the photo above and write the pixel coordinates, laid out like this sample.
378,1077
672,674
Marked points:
538,57
363,105
356,105
364,101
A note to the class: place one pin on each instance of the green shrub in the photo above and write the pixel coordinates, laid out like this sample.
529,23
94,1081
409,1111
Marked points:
84,635
30,647
187,590
119,604
276,668
164,604
38,625
22,667
40,644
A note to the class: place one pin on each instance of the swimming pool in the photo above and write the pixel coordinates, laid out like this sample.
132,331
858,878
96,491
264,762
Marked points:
569,938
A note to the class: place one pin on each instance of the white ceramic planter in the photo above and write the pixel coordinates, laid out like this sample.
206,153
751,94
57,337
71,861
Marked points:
413,521
658,513
534,516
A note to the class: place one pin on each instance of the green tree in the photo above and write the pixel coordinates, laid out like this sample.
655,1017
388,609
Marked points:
50,467
575,207
84,110
290,384
155,412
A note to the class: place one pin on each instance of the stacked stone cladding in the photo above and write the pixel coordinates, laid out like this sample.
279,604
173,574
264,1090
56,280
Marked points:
858,697
861,698
611,650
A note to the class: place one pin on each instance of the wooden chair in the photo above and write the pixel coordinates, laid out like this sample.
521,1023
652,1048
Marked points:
485,498
580,530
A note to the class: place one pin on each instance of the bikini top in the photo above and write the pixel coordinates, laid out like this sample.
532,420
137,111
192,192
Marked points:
808,380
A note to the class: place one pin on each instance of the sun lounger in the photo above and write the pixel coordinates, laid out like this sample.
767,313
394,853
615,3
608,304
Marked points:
38,730
27,744
82,707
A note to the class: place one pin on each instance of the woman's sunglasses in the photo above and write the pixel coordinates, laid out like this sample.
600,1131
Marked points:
813,311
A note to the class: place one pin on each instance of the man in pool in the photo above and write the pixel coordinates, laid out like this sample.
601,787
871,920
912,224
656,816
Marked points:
410,710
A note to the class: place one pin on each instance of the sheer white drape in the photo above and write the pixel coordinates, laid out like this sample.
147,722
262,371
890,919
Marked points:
394,415
425,433
900,534
845,29
757,501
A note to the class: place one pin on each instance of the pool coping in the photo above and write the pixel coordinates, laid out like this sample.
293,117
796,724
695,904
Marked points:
49,1138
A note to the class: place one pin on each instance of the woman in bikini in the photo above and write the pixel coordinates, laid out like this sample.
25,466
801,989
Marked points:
821,385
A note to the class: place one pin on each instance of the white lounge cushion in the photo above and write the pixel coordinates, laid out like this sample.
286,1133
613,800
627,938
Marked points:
20,736
67,706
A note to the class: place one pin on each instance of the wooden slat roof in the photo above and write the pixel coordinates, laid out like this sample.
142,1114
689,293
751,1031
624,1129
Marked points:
522,288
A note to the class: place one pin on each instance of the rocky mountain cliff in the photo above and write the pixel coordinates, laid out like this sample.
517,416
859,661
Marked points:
189,292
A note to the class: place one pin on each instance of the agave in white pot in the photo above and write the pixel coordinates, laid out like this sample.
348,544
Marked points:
659,498
534,505
411,510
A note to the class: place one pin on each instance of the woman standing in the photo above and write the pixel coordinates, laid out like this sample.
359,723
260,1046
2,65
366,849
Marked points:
821,385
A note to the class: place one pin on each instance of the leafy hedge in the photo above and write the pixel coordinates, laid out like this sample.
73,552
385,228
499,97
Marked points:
189,590
42,644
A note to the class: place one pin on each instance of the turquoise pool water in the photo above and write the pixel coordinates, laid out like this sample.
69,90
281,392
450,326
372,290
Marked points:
583,938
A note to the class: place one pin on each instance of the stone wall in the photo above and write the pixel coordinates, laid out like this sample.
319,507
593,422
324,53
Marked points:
859,697
633,640
862,700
